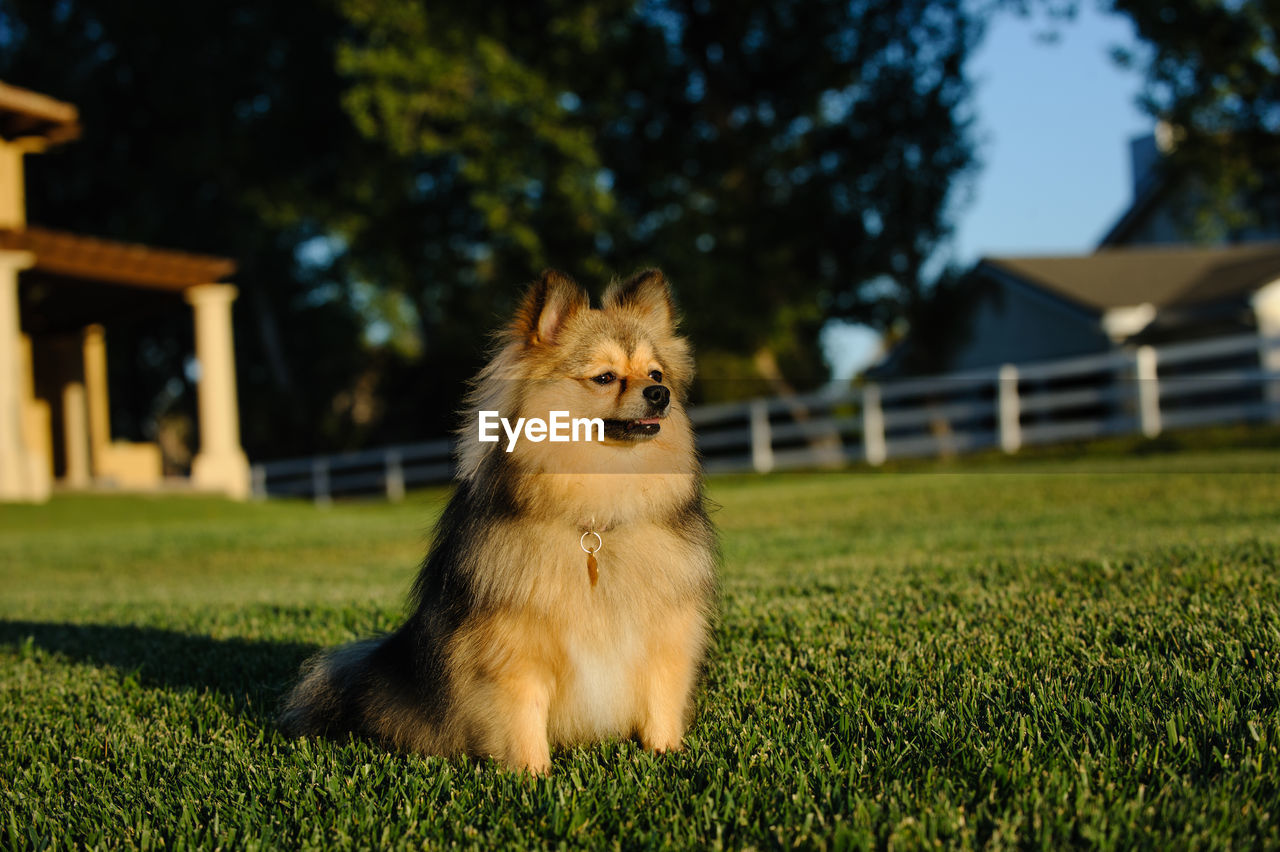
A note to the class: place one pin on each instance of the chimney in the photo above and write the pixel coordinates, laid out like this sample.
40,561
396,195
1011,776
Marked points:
1144,154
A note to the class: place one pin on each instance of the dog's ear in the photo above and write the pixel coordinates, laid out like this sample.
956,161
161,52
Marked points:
646,293
547,304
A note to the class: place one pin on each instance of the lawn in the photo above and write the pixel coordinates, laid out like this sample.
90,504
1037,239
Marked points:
1002,654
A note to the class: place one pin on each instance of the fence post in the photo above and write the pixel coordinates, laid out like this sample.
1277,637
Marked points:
258,482
395,476
1269,361
320,482
1009,412
761,437
874,447
1148,391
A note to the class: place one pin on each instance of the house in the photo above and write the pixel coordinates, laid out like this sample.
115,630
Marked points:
1040,308
59,295
1144,284
1157,215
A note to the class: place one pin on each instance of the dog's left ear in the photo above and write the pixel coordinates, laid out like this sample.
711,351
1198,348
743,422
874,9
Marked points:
547,304
647,293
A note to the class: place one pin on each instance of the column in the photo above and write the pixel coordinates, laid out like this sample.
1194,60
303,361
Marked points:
37,430
221,464
97,402
21,470
75,432
13,205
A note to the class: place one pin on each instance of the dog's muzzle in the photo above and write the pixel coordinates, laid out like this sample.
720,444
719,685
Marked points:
658,398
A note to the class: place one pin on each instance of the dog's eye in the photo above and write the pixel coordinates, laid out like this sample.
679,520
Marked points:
656,375
604,378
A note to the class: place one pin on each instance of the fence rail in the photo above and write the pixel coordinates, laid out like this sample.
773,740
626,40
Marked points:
1144,390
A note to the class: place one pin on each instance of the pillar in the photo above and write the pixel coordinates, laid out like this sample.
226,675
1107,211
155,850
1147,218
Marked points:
221,464
22,471
75,431
37,432
13,211
97,403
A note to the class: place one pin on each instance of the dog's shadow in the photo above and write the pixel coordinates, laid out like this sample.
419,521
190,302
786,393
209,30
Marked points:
251,674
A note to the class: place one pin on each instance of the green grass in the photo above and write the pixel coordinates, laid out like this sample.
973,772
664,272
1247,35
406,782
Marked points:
1038,654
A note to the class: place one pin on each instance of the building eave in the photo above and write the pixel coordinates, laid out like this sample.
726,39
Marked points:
991,268
114,263
28,115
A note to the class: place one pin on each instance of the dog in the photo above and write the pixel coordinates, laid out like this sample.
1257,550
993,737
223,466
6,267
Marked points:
569,594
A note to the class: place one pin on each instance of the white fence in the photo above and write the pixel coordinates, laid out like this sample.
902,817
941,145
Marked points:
388,470
1126,391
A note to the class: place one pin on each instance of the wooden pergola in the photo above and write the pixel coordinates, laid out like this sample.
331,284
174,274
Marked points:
58,294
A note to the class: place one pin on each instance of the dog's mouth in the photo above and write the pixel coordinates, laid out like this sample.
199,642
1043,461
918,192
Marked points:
632,430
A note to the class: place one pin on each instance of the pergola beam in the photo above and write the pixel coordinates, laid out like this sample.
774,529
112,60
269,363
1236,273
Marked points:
28,114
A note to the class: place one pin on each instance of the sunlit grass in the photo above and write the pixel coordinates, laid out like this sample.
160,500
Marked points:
1045,653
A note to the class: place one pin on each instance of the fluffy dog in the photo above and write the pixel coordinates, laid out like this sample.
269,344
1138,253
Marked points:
568,595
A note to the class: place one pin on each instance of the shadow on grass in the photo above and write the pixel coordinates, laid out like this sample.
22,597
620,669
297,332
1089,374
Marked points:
252,674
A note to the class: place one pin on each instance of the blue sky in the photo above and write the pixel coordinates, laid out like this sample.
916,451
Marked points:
1054,122
1054,126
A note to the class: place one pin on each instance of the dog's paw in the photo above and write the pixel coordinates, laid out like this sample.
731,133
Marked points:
534,762
662,744
535,769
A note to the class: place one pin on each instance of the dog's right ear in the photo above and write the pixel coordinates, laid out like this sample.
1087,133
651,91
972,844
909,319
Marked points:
547,304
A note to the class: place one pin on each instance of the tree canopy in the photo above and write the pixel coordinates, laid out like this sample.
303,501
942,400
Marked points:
387,172
1213,76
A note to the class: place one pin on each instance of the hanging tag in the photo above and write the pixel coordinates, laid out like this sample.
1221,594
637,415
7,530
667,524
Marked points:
593,566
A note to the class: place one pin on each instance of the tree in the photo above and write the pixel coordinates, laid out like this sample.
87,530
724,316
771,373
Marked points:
805,165
1213,77
503,178
216,129
785,162
386,172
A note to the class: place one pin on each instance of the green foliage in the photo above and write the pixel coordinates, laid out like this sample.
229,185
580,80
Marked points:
448,85
219,129
1213,75
792,161
386,172
1050,654
783,161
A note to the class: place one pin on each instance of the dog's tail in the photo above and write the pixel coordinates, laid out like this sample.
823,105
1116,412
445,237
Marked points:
331,692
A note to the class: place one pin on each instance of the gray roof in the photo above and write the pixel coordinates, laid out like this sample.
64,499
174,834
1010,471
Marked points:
1165,276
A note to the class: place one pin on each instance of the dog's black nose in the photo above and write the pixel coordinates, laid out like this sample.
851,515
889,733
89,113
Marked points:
658,395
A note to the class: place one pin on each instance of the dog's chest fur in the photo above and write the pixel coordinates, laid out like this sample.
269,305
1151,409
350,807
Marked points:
597,692
601,643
